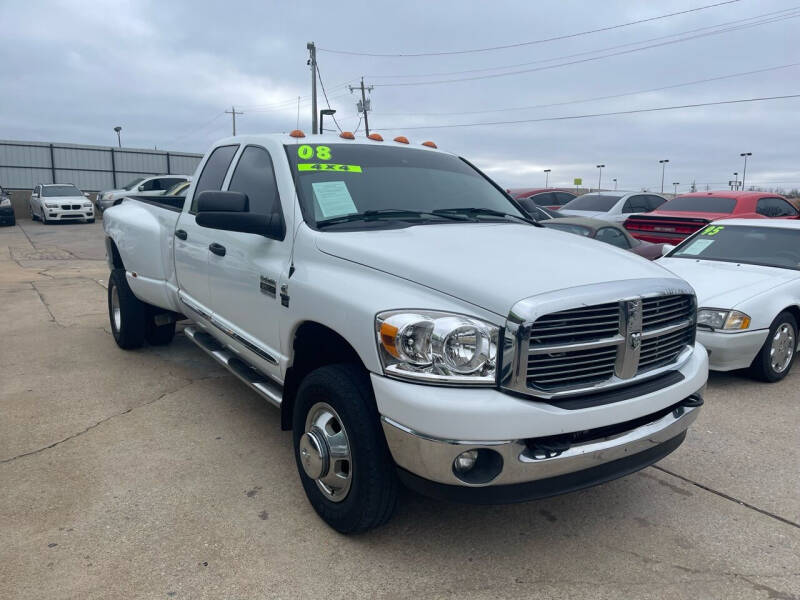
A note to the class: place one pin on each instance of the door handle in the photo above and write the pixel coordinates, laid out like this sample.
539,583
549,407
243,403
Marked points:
181,234
217,249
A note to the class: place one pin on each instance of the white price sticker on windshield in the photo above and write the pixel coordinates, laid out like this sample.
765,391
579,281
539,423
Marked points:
333,199
697,247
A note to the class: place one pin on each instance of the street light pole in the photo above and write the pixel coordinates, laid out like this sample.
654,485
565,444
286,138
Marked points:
546,177
675,185
744,171
119,138
600,176
735,181
325,111
663,167
615,183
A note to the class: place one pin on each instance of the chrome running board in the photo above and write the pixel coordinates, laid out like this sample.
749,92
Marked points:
265,387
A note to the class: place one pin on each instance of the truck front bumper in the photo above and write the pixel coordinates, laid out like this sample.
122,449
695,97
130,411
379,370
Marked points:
526,448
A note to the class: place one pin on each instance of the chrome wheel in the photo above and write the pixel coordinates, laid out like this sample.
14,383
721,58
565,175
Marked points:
781,349
325,452
116,312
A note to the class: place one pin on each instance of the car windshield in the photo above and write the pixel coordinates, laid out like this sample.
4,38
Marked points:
710,204
132,184
359,184
593,202
569,227
176,189
769,246
54,191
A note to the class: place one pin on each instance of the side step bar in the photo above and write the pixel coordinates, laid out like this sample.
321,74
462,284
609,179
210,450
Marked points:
268,389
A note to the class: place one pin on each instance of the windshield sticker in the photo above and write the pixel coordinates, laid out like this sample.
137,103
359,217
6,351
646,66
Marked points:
329,167
712,230
697,247
333,198
305,152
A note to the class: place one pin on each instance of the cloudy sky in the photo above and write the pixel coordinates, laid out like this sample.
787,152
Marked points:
166,71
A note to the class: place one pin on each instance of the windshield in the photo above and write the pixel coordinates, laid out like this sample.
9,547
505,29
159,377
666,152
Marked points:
710,204
593,202
770,246
132,184
339,181
569,227
54,191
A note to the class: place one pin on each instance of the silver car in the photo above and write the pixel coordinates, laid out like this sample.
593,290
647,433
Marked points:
155,185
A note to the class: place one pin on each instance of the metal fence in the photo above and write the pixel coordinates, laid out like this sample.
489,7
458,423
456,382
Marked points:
23,165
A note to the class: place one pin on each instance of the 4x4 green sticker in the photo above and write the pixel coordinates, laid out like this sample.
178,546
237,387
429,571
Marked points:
328,167
712,230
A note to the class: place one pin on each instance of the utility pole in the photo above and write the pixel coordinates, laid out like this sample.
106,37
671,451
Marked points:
663,166
312,50
233,112
600,176
546,177
363,105
744,171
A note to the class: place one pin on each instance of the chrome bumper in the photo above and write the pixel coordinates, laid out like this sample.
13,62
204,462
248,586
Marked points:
432,459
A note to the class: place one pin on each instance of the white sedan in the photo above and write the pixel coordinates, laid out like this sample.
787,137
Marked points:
746,273
612,206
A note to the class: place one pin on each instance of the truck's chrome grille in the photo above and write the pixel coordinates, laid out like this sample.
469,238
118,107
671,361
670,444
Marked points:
589,345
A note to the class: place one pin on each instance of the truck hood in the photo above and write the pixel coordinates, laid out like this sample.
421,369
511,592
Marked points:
726,285
486,264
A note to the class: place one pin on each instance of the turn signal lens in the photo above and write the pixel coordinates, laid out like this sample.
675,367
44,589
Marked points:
737,320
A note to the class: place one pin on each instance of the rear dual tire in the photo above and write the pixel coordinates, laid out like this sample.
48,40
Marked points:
133,321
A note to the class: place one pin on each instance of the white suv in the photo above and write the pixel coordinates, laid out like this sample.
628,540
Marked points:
60,202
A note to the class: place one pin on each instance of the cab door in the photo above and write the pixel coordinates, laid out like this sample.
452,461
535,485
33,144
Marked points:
192,241
245,270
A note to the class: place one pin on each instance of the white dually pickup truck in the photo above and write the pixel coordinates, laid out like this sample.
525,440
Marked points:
410,323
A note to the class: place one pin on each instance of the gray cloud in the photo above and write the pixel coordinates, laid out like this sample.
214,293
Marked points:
165,71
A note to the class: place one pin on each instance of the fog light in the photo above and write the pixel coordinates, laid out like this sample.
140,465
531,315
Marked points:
465,461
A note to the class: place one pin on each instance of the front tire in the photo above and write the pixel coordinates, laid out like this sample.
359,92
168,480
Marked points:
344,463
775,359
127,314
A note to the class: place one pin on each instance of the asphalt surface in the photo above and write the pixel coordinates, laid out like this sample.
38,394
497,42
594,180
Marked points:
154,474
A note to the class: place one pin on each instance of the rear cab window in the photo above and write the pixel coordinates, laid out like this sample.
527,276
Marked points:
214,171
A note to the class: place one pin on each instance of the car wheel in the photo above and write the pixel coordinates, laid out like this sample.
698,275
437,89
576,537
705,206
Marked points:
33,214
127,314
777,355
44,218
344,463
159,335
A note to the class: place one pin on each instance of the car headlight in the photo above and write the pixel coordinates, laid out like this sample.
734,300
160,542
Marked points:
437,347
87,204
51,204
722,319
5,202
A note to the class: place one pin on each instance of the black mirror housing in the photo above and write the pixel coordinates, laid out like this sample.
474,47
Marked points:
271,226
218,201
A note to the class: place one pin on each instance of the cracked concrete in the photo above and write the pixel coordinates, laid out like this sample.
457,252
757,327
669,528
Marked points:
154,474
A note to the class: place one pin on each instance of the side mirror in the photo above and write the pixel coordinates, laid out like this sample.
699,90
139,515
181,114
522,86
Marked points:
140,188
666,249
228,211
86,194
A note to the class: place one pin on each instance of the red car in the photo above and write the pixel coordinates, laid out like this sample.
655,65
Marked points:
677,219
551,198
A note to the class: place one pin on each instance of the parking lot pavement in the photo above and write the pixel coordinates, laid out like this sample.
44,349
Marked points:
154,474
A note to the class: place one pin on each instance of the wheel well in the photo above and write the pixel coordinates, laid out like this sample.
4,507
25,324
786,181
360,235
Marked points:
795,311
314,346
116,259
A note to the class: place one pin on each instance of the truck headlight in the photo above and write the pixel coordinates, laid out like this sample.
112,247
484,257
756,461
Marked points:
437,347
722,319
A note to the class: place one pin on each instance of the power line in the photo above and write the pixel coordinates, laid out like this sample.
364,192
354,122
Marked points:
607,97
587,116
780,13
528,43
324,93
591,58
195,130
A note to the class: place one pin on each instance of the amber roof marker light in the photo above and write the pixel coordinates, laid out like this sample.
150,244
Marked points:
429,144
401,139
348,135
296,133
375,136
